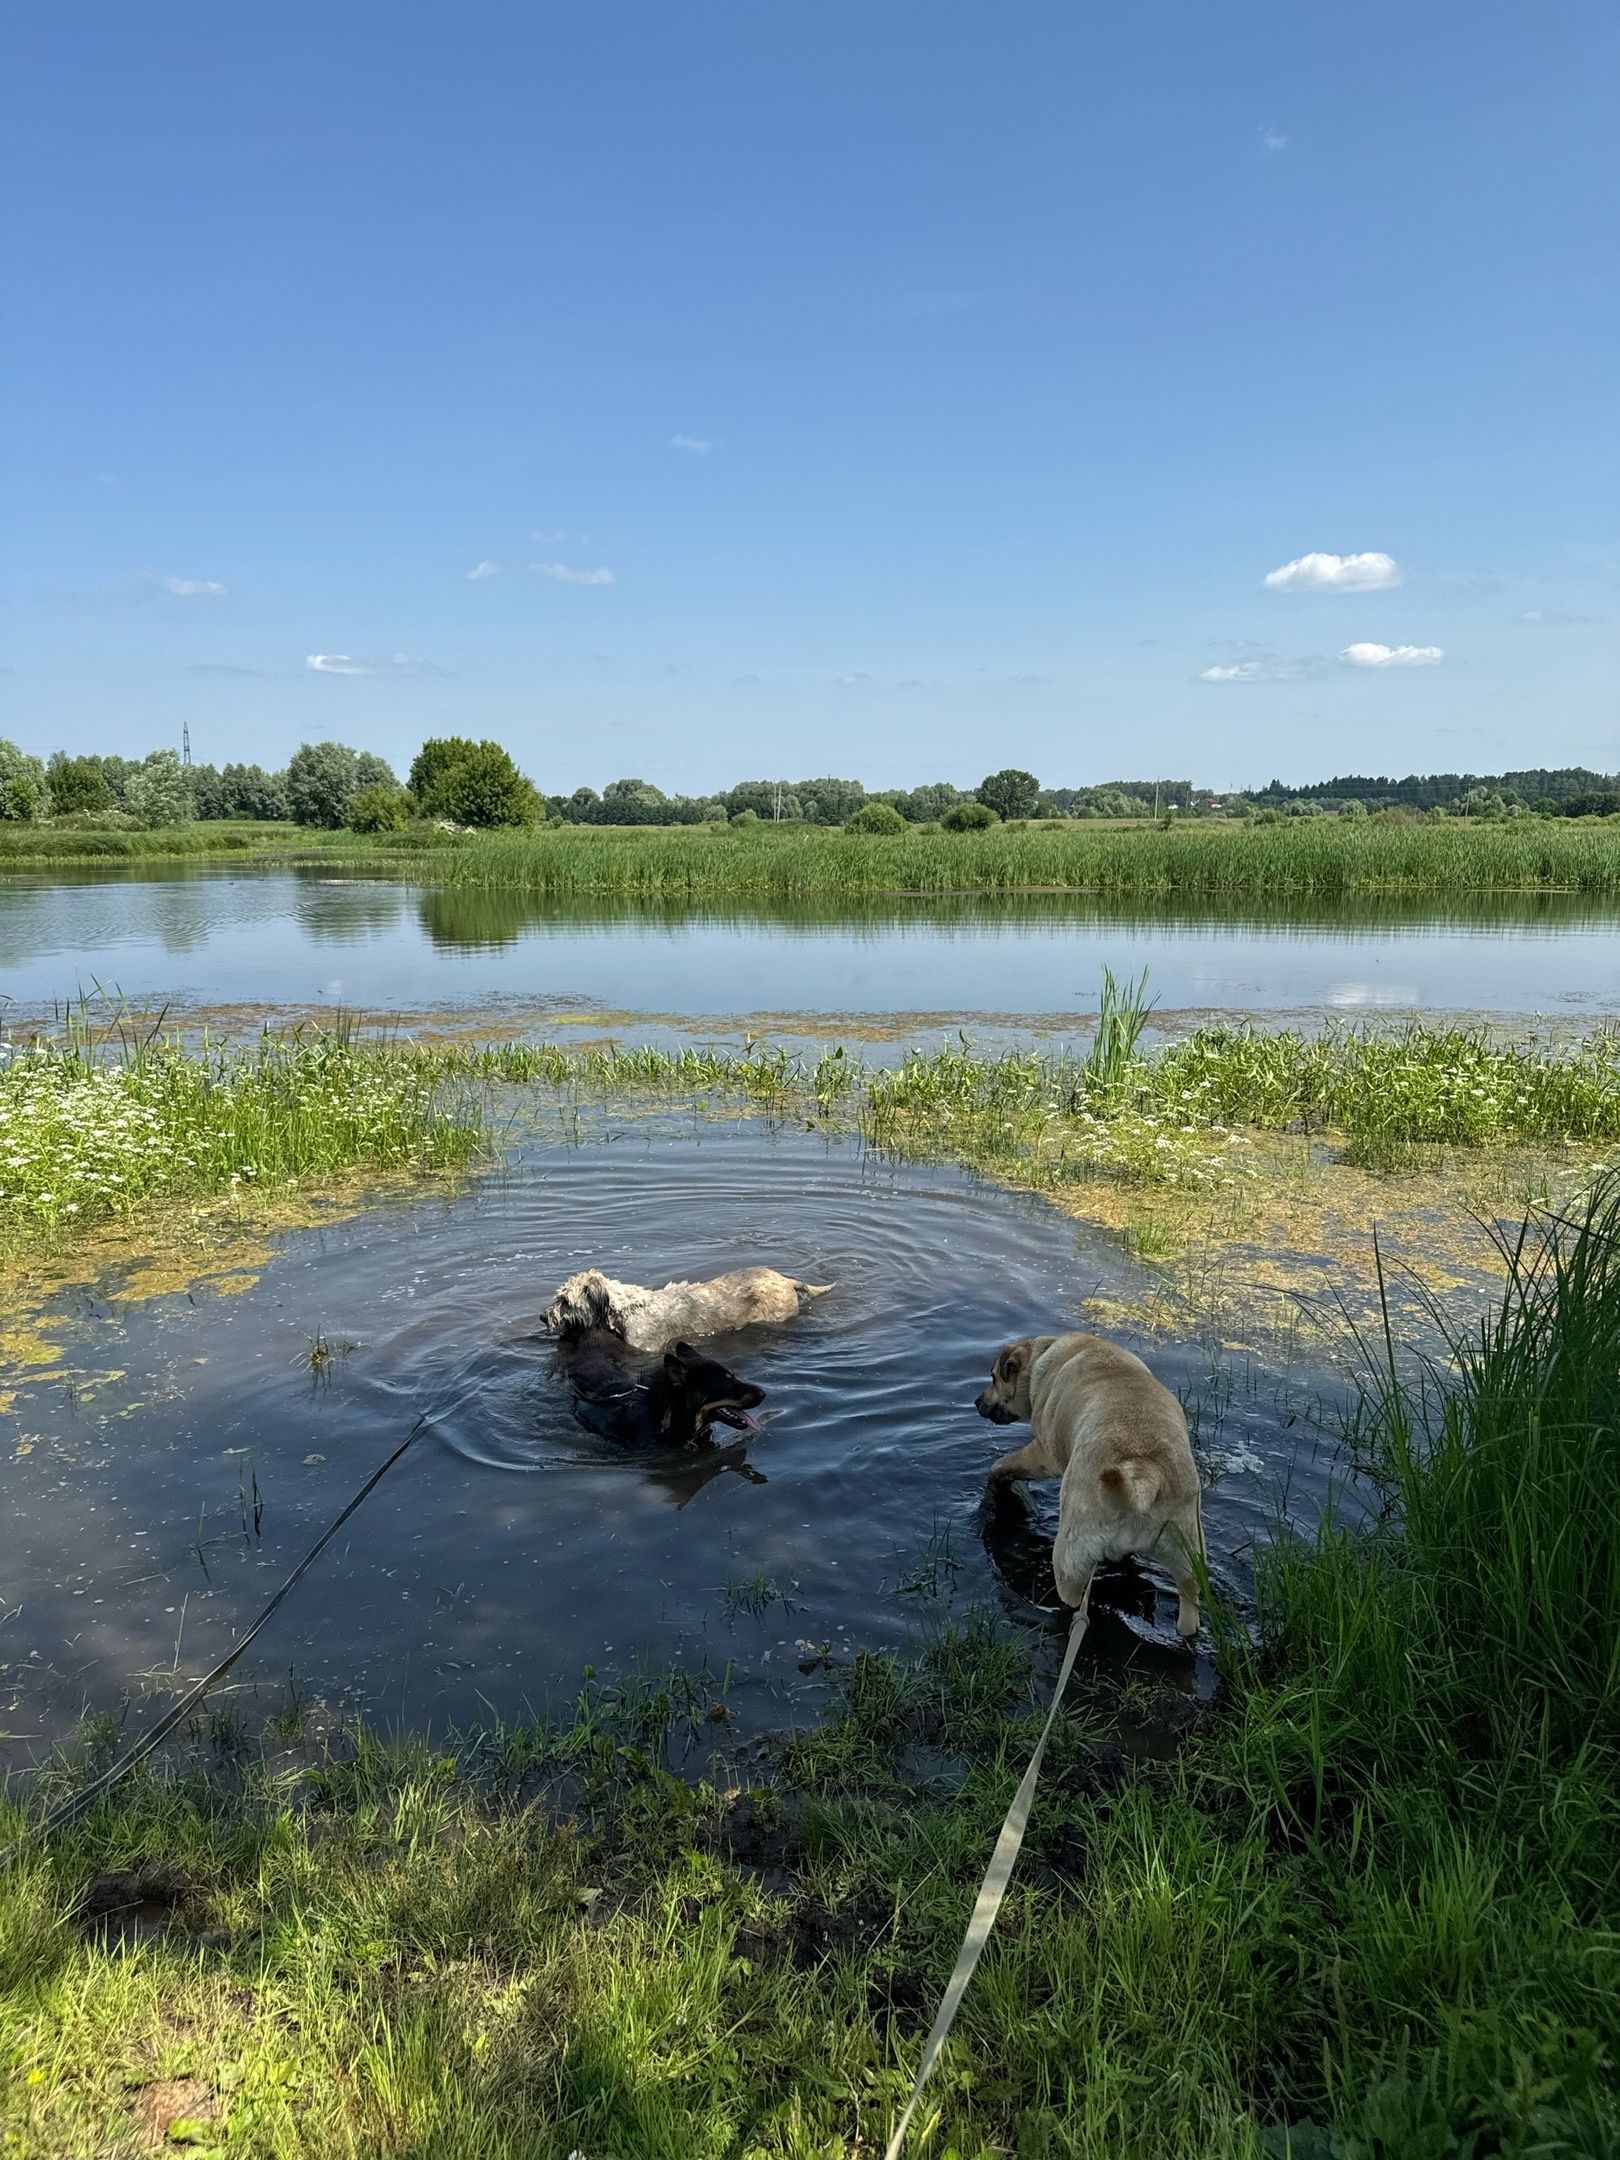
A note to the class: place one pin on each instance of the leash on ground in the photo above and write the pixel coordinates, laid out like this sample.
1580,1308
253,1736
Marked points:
991,1892
143,1747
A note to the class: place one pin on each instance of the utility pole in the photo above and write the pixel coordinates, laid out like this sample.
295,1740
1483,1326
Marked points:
185,742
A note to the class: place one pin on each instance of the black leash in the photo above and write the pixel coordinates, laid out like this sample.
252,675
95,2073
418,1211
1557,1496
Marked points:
71,1808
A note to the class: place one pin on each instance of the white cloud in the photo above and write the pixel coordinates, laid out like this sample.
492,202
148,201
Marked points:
338,663
485,569
852,682
566,574
695,445
1367,655
191,588
560,539
1273,139
1334,573
1258,667
1556,619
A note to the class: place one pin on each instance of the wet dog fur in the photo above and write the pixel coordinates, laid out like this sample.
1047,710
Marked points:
675,1403
1117,1438
680,1311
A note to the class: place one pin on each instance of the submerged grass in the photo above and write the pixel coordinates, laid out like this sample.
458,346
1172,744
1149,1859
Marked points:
1372,1910
1309,856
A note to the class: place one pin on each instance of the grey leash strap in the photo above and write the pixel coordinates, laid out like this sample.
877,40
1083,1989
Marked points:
143,1747
991,1892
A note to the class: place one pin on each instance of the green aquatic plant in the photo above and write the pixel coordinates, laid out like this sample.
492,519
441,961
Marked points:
1322,858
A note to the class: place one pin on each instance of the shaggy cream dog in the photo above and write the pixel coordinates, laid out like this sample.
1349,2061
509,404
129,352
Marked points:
689,1311
1118,1439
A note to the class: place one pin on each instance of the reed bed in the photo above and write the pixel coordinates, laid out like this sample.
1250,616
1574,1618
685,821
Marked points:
1371,1909
1320,857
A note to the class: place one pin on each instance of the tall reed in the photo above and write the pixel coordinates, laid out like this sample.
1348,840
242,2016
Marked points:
1319,857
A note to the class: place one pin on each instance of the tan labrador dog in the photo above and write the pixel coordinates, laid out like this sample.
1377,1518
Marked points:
1118,1439
653,1319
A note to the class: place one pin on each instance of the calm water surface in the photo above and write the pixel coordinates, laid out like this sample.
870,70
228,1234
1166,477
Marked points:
284,937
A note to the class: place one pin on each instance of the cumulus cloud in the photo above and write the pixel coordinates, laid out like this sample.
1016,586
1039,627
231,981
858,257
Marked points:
567,574
485,569
192,588
1369,655
322,663
694,445
1273,139
852,682
1334,573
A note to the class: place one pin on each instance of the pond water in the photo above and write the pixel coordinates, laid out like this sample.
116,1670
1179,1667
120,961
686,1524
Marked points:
279,937
165,1476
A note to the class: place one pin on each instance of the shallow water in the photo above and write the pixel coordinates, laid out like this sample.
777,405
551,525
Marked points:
510,1550
203,936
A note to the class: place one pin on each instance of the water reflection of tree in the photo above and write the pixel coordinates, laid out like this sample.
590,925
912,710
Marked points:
340,914
476,918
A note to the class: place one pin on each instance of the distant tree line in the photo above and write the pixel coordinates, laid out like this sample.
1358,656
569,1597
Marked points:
456,781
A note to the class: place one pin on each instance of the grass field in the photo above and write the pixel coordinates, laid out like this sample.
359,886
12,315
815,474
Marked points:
1371,1911
1317,857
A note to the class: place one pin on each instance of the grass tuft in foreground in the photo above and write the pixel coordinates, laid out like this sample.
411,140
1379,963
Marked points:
1373,1909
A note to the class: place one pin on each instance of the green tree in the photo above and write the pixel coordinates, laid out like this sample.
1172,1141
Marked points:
828,801
634,802
373,771
320,779
381,807
971,816
77,783
158,792
1009,793
251,792
768,799
881,818
927,804
473,783
208,793
431,765
24,793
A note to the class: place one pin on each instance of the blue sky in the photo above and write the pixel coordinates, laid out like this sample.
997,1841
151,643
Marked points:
897,390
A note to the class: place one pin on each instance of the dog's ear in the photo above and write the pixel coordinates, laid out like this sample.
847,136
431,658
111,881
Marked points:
1012,1361
677,1360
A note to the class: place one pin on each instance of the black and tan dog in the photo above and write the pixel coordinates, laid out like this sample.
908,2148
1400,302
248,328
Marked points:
674,1403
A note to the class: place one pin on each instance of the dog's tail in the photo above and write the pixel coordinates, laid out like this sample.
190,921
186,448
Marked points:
1133,1484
